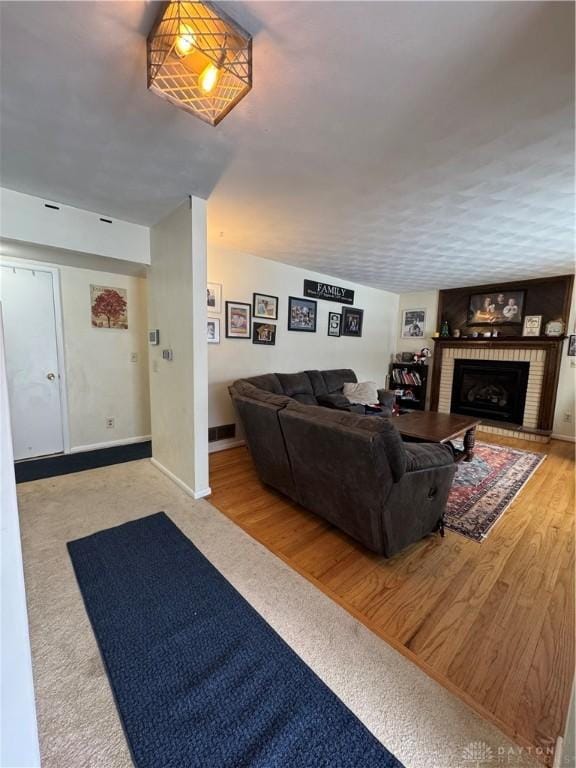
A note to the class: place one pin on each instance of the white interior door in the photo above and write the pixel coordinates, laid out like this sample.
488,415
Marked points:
34,383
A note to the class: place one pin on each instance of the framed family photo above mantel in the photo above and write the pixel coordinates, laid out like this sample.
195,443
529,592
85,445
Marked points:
496,308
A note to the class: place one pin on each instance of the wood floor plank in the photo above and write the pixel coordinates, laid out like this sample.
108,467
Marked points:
494,621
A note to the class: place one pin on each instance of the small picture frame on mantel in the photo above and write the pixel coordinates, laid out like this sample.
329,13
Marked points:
532,325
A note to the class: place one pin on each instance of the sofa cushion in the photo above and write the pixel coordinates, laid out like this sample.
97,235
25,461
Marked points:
381,428
318,383
363,392
334,401
268,381
336,379
294,384
244,388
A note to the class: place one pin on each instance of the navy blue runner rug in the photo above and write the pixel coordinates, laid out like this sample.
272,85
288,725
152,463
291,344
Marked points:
200,679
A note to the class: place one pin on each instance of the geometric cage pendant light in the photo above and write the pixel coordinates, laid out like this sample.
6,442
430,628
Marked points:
199,59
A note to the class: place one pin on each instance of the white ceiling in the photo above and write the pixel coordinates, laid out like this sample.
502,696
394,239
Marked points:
404,145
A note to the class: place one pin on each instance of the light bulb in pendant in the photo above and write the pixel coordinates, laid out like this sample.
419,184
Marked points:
185,41
208,78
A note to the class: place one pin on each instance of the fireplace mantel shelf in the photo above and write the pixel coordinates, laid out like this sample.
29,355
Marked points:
519,341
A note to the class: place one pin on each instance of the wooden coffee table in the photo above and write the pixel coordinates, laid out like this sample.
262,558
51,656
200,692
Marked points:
432,427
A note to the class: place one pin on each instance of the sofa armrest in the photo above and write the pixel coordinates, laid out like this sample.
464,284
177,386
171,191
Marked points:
386,398
427,456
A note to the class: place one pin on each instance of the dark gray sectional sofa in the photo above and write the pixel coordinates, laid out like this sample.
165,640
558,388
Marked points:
352,469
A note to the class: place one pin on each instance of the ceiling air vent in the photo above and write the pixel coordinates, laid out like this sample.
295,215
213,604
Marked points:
53,207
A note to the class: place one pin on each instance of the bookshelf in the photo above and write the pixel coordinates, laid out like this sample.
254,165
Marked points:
409,381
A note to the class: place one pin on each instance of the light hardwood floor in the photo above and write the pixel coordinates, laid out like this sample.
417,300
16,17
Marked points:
493,622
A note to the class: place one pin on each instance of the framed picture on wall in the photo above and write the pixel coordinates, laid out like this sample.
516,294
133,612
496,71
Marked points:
264,333
334,324
496,308
302,314
213,328
109,307
265,306
214,298
413,323
352,320
237,320
572,345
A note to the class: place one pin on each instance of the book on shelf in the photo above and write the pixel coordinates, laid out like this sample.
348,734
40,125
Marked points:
404,376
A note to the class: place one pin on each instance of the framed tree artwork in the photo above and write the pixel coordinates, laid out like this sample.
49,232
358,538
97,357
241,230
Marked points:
109,307
237,320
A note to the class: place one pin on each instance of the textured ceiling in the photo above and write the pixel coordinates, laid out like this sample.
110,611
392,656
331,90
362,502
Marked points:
400,145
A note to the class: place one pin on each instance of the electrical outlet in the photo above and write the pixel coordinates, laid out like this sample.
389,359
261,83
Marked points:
568,417
155,366
110,422
134,357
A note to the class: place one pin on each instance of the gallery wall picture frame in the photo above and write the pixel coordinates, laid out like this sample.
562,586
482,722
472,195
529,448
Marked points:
238,320
532,325
213,330
302,314
334,324
572,345
496,308
264,334
214,298
264,306
413,323
352,321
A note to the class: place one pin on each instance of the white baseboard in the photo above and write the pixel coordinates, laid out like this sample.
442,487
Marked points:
110,444
180,483
224,445
566,438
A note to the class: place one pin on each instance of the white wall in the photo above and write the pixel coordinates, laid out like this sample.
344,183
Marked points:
240,276
102,381
26,218
18,731
177,308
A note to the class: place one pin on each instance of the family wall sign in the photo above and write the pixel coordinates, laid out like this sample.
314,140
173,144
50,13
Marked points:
316,290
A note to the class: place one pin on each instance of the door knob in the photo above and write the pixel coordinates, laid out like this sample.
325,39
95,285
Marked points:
50,376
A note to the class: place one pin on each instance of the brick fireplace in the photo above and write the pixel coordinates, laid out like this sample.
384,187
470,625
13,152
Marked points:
519,404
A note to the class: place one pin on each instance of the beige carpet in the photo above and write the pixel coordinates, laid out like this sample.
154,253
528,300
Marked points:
420,722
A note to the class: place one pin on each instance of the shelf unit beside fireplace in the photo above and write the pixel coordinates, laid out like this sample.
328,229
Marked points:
418,401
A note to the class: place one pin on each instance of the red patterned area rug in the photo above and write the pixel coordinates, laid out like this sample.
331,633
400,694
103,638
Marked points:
484,488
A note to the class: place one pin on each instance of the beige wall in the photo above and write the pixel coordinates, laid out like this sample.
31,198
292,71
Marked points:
102,381
240,276
177,308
